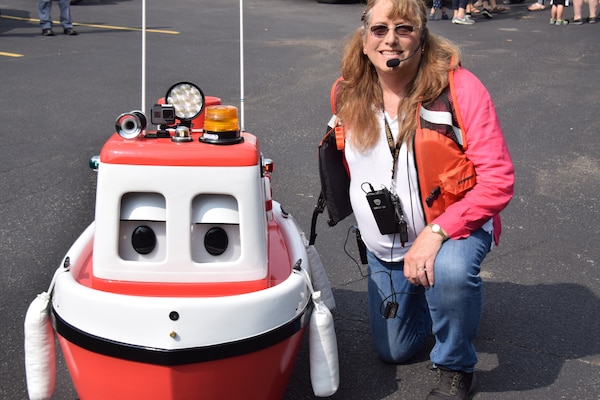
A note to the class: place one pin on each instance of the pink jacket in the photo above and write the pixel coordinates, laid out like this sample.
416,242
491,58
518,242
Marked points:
488,151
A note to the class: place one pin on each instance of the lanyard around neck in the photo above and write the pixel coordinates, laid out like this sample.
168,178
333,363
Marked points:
394,146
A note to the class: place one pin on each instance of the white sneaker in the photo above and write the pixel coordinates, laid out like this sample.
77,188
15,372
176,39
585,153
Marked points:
462,21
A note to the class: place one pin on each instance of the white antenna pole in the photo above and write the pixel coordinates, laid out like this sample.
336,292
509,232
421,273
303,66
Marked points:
143,56
242,119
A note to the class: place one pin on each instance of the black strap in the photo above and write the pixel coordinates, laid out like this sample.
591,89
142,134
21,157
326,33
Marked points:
394,146
319,208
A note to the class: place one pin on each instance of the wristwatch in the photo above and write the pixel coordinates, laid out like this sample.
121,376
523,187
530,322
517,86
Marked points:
435,228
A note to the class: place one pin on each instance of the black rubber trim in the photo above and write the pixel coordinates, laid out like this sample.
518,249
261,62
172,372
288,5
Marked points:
172,357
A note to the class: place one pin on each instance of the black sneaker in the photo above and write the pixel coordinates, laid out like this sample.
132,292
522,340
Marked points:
487,14
70,32
457,385
47,32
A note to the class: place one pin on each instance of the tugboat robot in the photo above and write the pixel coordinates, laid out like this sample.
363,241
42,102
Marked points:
191,283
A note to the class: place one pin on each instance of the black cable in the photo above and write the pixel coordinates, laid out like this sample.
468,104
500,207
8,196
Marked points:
349,255
393,293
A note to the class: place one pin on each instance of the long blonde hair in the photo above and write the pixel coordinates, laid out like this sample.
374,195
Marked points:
360,91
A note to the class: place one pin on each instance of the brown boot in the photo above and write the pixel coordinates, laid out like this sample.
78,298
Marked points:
457,385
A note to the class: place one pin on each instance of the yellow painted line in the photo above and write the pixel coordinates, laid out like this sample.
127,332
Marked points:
110,27
123,28
2,53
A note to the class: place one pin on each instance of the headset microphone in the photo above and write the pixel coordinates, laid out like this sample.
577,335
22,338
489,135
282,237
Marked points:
393,63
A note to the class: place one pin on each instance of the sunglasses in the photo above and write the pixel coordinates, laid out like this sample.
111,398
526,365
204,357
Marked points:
379,31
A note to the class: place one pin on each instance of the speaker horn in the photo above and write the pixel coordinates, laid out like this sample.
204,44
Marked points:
130,125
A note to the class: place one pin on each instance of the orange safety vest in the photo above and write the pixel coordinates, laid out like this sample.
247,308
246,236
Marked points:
445,174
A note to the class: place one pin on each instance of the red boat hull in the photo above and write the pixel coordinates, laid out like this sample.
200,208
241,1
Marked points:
261,375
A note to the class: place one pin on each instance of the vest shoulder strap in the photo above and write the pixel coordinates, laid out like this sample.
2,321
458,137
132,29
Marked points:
456,110
442,115
340,132
333,94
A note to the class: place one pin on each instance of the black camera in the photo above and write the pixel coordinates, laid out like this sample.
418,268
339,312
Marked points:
387,212
163,114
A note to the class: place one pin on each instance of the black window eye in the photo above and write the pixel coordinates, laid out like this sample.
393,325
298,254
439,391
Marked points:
216,241
143,239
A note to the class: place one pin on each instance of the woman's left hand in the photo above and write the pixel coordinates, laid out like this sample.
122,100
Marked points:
419,260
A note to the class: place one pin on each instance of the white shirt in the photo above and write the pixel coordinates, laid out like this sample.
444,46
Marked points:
374,166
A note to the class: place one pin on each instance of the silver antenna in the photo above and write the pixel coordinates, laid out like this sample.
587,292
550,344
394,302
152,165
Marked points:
143,56
242,119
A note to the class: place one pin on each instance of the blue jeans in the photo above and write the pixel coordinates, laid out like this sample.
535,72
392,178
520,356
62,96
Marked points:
44,8
451,309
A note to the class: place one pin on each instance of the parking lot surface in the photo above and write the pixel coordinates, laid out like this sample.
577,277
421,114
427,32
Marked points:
60,97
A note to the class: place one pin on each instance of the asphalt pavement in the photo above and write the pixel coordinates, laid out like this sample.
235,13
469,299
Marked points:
539,337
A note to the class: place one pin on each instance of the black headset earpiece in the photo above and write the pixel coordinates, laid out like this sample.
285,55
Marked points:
423,36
